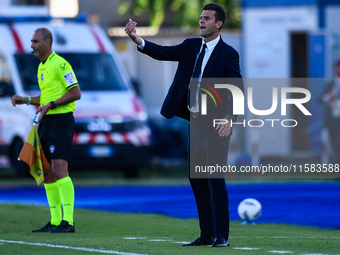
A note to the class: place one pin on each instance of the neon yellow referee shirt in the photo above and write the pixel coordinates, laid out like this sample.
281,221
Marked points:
55,78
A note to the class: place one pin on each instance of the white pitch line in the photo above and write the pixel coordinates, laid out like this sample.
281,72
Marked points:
71,247
159,240
281,252
134,238
245,248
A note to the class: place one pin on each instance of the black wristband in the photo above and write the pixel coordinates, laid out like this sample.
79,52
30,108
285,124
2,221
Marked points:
53,106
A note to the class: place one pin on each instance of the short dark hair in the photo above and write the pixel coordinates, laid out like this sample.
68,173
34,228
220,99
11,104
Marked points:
46,34
219,12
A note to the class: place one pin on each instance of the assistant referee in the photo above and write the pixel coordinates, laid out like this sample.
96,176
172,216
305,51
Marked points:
59,91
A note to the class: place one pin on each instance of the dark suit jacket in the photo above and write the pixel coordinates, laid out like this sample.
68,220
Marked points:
223,63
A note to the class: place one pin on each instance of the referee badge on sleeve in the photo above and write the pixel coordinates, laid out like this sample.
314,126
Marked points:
69,78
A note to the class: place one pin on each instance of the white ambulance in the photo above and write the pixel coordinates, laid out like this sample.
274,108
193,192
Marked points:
111,127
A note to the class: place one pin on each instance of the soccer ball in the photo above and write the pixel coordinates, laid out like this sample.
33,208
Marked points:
249,210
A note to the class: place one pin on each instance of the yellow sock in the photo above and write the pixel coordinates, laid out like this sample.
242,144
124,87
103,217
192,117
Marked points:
53,198
66,190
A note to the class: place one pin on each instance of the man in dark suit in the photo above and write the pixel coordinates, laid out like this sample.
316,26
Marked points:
200,59
330,97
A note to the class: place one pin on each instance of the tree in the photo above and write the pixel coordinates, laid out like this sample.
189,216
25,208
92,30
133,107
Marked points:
187,12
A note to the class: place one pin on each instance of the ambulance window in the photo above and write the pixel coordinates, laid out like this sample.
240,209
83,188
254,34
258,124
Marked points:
95,71
28,67
6,85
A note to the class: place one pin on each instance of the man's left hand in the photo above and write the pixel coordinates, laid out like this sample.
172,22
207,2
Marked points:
224,129
43,109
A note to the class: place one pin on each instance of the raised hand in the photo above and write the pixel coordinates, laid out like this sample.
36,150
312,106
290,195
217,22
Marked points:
130,30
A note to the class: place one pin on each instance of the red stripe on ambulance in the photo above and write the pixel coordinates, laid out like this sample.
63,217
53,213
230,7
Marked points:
92,138
108,137
18,44
138,137
126,138
75,137
137,105
139,140
99,42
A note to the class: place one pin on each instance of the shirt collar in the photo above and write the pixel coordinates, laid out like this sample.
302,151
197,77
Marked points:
49,57
213,43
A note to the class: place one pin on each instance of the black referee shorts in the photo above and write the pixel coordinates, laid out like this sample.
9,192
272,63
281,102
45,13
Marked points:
56,134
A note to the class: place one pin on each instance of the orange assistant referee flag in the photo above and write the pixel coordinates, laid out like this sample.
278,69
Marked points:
32,154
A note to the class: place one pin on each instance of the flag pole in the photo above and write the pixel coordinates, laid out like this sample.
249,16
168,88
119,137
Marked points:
36,119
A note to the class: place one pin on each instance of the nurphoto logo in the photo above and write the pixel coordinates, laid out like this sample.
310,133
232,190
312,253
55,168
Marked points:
204,97
239,104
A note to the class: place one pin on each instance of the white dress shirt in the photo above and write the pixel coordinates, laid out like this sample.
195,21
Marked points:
208,50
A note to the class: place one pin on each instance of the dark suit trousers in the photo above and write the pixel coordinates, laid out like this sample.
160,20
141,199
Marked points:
210,193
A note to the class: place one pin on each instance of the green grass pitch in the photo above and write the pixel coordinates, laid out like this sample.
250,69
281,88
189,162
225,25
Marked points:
116,233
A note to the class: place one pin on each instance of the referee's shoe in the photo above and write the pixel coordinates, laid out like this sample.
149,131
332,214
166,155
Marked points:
47,228
64,227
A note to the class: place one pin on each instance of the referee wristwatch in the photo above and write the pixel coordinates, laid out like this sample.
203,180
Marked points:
53,106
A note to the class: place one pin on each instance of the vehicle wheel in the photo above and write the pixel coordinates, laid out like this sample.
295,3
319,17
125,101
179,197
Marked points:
20,167
131,172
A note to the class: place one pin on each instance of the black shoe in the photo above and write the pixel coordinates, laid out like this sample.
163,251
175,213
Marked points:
47,228
220,242
64,227
201,241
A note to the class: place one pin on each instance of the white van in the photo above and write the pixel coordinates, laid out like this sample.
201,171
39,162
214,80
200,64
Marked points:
110,120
